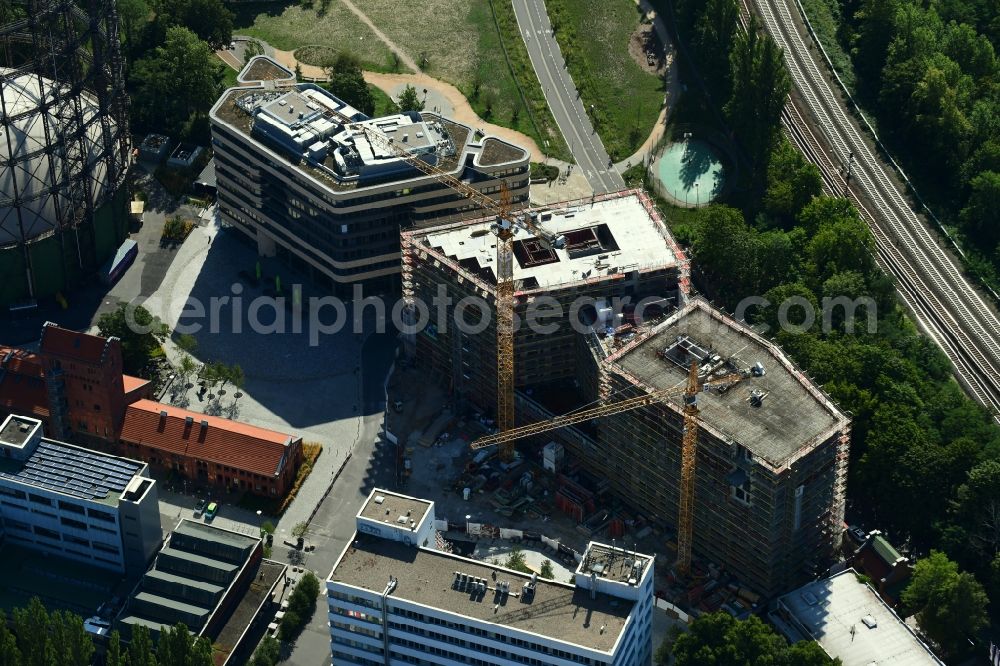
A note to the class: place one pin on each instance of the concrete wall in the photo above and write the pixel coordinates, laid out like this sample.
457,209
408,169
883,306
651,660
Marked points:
142,533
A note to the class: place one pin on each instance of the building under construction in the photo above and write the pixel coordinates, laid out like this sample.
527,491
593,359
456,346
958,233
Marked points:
771,455
772,448
612,247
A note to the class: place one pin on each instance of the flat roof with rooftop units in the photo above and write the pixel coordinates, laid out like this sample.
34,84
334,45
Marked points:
384,506
557,610
774,411
326,135
17,431
614,563
603,238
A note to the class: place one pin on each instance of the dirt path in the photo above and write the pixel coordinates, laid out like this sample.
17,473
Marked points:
403,57
673,90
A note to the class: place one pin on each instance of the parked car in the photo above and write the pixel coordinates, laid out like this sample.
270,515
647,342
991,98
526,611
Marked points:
199,508
857,535
212,509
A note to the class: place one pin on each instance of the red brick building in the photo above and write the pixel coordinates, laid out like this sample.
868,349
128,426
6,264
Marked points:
211,451
74,384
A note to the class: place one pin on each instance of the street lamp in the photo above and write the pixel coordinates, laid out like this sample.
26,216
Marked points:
697,195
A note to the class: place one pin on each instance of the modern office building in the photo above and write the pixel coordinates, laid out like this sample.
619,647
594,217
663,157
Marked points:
615,248
298,174
772,447
851,623
76,503
395,599
209,450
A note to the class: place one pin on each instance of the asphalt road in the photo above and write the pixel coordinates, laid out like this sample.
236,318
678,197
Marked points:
372,464
563,98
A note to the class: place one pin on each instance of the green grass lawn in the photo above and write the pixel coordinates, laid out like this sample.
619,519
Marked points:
290,26
383,103
228,76
626,99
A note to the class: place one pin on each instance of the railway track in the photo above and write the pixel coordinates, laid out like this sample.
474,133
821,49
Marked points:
949,309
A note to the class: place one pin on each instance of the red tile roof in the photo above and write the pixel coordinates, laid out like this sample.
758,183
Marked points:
20,361
22,387
64,342
226,442
131,383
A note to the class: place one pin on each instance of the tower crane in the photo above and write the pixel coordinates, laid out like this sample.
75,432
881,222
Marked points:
689,441
505,228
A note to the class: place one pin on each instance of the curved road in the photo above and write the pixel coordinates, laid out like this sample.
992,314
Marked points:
563,99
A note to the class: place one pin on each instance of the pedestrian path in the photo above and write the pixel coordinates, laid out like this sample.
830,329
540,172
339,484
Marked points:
673,91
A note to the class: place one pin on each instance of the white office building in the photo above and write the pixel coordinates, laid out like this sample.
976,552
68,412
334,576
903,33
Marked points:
76,503
396,599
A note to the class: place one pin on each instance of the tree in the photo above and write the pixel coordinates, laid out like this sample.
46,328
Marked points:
721,247
792,182
31,626
115,656
977,511
877,21
202,653
409,99
185,368
69,639
347,81
187,342
9,653
139,331
209,19
133,16
714,31
981,215
515,561
718,638
950,605
760,88
290,625
268,653
177,82
174,646
546,570
140,650
309,585
662,655
300,529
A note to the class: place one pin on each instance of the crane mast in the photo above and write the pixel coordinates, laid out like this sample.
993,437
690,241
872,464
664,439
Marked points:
505,228
689,441
689,458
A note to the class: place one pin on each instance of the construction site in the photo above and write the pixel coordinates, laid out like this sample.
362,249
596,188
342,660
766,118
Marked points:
613,246
669,426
